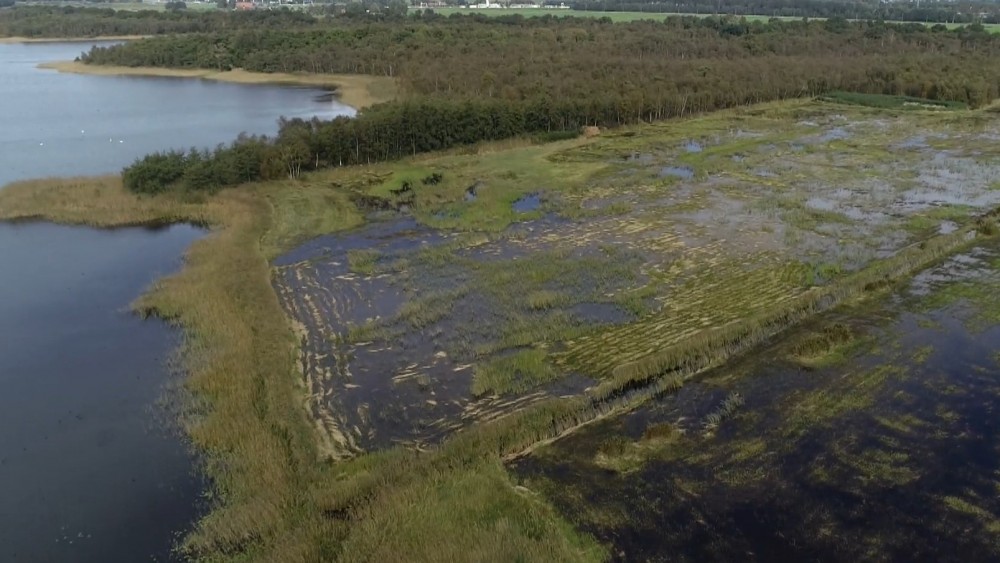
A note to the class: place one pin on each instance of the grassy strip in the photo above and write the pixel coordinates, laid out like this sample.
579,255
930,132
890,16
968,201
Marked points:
355,90
272,493
889,102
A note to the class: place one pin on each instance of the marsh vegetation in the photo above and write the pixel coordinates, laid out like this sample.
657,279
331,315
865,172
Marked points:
441,339
885,453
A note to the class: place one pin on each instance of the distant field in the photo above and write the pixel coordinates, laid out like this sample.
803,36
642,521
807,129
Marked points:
128,6
535,12
621,16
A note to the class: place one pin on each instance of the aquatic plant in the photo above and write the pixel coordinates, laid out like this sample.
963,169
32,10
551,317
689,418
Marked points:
726,409
363,261
518,371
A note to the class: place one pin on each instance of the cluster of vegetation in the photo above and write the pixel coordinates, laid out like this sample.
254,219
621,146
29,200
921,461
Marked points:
558,74
931,11
70,21
890,102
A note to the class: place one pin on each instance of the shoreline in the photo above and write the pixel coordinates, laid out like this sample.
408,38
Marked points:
21,40
357,91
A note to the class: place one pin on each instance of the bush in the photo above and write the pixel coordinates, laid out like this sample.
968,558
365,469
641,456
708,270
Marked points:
155,172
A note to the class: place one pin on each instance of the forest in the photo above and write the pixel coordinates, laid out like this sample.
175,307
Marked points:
69,21
931,12
470,78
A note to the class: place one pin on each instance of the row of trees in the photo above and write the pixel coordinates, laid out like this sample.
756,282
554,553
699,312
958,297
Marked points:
467,79
69,21
523,59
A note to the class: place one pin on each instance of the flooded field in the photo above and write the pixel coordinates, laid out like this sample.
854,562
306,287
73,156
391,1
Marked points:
497,280
870,434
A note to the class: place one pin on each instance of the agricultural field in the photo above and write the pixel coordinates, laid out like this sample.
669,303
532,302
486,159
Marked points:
127,6
500,277
539,12
632,16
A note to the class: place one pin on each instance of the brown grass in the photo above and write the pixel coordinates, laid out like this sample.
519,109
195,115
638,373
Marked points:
99,202
355,90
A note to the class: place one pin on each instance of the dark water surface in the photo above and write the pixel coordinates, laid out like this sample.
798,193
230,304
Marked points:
89,467
892,455
88,471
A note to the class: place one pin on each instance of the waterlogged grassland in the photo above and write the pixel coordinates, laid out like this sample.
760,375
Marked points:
475,305
641,247
889,452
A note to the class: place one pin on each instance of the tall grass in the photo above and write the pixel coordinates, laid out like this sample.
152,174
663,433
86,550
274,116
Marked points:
516,372
273,497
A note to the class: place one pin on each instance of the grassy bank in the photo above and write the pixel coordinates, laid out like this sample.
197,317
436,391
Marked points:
274,498
358,91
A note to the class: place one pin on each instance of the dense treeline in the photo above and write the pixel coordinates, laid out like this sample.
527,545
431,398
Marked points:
68,21
928,11
517,58
469,78
383,132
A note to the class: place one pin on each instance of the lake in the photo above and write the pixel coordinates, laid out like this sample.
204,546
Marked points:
91,468
57,124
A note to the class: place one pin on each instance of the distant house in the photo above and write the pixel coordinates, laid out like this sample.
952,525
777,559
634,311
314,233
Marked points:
244,5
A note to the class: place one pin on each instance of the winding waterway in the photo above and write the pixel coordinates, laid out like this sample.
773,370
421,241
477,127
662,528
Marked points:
89,467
